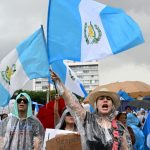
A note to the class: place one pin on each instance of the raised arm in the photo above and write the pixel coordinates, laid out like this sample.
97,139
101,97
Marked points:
70,100
56,113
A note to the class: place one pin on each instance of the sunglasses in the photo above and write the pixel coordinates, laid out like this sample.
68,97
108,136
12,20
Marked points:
25,101
104,97
68,114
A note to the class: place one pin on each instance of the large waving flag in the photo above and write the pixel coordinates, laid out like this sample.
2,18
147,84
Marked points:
84,30
146,131
27,61
69,78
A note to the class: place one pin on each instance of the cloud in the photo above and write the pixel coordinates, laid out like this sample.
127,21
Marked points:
19,19
128,72
128,5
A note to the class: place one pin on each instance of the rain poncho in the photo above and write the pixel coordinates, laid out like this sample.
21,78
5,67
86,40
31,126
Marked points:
60,125
98,137
133,122
95,137
20,134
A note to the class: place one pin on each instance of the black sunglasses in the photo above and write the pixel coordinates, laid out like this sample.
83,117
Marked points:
25,101
68,114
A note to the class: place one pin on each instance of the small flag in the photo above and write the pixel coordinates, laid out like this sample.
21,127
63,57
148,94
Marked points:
85,30
69,78
26,62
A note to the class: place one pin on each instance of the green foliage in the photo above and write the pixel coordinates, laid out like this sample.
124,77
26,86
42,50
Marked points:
40,96
36,96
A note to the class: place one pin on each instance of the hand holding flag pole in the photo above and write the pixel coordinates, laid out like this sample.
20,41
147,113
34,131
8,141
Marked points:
51,74
57,82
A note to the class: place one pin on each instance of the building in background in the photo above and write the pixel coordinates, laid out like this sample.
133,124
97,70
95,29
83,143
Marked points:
87,72
40,84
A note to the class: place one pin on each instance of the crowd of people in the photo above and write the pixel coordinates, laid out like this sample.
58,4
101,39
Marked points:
103,128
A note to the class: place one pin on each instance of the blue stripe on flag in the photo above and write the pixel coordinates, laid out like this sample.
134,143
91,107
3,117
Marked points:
60,69
64,30
5,96
122,32
33,55
84,91
92,109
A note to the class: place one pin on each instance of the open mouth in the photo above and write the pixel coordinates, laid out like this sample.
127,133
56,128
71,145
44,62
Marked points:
105,106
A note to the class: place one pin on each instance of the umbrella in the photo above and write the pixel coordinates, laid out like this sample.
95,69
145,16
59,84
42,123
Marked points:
140,104
134,89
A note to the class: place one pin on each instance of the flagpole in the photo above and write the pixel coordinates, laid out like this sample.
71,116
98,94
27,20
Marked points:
49,86
48,94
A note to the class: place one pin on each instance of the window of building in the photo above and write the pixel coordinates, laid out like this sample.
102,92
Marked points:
38,82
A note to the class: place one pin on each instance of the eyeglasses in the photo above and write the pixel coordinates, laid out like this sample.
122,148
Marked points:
103,97
25,101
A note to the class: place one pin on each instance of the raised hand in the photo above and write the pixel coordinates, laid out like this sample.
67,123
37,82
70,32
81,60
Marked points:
54,76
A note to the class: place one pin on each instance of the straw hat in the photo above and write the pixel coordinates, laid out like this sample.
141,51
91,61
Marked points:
104,92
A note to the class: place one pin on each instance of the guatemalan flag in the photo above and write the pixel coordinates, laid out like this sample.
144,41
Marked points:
69,78
27,61
84,30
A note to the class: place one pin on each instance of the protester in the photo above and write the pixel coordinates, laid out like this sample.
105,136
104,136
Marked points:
66,122
141,116
21,130
133,122
128,109
122,116
98,130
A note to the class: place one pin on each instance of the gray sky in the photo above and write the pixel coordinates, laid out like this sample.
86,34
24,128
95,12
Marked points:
20,18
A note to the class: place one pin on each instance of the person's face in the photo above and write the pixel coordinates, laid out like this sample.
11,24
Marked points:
69,119
22,104
123,118
57,97
104,105
128,110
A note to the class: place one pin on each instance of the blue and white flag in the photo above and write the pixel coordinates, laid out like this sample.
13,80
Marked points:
69,78
146,131
84,30
26,62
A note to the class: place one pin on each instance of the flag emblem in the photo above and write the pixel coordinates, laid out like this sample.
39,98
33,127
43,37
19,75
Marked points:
6,75
92,33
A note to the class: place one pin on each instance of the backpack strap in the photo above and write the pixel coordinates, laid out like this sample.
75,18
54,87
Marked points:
115,135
